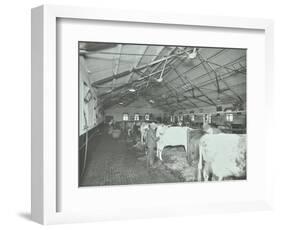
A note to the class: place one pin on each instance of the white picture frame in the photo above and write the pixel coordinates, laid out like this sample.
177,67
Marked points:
45,162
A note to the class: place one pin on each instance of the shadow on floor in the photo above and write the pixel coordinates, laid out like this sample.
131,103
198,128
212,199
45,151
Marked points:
25,215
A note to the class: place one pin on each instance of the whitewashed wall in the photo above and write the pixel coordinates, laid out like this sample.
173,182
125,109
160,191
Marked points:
206,109
140,106
90,113
237,119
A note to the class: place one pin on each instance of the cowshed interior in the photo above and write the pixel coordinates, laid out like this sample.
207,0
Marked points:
123,86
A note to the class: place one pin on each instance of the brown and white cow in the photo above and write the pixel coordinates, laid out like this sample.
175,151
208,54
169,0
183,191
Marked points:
222,155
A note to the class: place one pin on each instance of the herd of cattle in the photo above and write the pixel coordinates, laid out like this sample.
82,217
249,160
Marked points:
219,155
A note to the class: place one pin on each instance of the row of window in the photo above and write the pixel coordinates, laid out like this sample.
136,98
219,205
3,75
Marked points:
136,117
229,117
206,117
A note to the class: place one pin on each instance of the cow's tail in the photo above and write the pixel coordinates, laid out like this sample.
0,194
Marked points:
200,164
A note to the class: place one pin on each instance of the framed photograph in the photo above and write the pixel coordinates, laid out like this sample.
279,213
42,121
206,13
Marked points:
139,115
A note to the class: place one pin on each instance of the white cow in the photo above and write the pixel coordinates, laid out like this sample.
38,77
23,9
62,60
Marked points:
222,155
170,136
161,129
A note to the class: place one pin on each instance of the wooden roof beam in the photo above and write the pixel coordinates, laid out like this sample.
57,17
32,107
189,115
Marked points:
127,72
196,66
219,78
224,76
194,86
203,61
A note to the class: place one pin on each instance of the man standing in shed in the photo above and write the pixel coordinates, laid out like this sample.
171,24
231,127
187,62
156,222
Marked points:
151,144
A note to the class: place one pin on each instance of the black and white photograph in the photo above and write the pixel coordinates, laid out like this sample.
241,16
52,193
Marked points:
153,113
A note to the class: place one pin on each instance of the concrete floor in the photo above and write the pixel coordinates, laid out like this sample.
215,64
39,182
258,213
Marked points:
112,162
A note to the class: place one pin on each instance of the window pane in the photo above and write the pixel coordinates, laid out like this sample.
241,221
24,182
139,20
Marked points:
229,117
146,117
137,117
125,117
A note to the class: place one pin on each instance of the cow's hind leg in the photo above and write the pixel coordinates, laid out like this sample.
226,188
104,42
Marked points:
207,171
200,166
206,174
186,152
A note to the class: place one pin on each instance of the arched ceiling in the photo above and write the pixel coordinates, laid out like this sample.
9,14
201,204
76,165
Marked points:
170,77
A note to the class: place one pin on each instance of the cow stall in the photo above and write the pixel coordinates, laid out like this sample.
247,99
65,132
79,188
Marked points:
161,114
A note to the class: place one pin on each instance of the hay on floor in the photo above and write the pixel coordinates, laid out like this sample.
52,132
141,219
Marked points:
174,158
